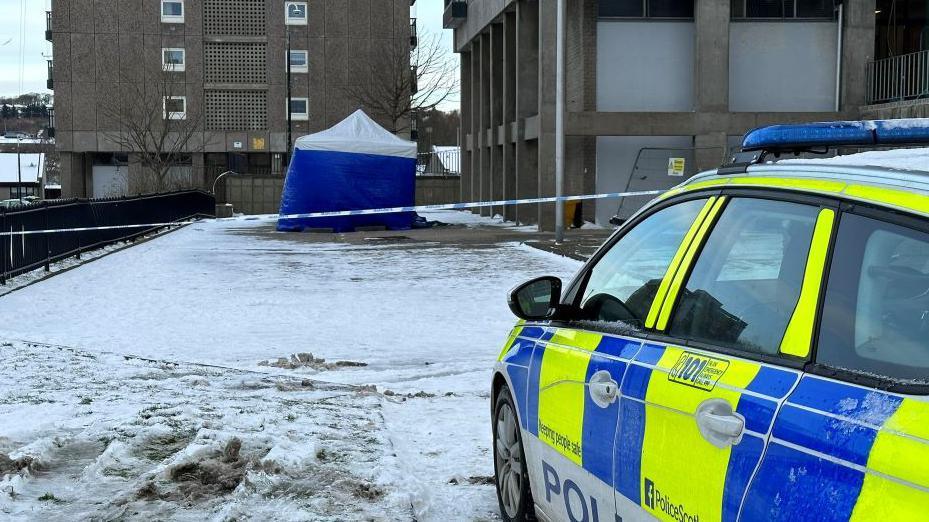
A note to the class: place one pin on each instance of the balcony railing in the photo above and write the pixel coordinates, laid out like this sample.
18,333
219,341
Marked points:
898,78
48,25
51,123
442,161
414,40
50,83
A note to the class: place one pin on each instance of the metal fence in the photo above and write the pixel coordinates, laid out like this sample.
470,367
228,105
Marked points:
20,253
442,162
904,77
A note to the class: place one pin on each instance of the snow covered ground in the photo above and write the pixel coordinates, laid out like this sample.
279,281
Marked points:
187,378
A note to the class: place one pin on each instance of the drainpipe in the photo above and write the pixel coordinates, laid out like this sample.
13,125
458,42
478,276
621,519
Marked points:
838,59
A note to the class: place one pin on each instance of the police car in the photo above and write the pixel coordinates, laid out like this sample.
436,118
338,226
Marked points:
752,345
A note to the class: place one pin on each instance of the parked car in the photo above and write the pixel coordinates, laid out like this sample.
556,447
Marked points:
752,345
11,203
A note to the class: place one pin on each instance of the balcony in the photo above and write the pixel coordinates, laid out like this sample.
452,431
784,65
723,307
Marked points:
48,25
414,79
456,12
50,83
414,126
413,33
898,78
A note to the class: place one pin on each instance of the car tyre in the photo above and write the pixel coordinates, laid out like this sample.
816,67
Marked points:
511,475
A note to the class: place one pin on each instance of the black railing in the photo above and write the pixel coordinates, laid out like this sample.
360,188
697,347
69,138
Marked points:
414,40
51,123
50,83
48,25
20,253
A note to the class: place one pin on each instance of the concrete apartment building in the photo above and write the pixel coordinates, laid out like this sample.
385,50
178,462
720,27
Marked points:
647,80
227,64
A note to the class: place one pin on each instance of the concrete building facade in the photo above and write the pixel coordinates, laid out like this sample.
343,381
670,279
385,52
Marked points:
227,60
646,81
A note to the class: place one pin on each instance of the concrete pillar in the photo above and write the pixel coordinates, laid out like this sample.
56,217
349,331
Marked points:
496,112
464,193
711,20
548,13
198,172
527,105
509,114
857,51
476,93
486,125
72,175
711,71
581,81
711,149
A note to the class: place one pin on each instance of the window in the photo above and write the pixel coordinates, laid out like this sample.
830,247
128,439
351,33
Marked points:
300,109
175,107
783,9
299,61
746,283
296,13
22,191
876,312
623,283
173,59
172,11
647,8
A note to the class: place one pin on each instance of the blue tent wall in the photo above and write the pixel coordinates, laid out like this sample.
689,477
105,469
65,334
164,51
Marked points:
322,181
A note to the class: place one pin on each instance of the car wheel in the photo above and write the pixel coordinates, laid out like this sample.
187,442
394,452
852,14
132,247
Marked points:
512,475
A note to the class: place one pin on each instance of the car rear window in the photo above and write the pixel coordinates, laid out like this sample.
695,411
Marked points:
876,310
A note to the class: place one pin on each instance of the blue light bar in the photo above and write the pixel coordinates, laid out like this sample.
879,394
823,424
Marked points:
867,133
910,131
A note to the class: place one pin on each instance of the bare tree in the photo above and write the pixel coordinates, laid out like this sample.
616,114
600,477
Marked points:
403,82
150,117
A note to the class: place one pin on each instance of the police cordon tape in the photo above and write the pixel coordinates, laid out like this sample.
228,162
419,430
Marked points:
344,213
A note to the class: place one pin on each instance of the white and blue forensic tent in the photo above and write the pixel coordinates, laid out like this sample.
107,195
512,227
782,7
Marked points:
355,165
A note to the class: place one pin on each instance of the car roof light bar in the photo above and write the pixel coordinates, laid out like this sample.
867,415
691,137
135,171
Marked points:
822,136
868,133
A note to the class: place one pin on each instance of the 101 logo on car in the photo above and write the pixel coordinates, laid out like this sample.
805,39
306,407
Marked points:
698,371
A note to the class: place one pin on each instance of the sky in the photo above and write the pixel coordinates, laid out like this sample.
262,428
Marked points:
31,43
35,49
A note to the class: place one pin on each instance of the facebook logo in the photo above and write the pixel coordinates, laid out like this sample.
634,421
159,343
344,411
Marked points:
650,493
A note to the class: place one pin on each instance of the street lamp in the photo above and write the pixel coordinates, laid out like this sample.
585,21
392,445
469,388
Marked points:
559,120
228,172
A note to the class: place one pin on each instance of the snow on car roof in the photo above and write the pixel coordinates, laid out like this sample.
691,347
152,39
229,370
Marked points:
901,159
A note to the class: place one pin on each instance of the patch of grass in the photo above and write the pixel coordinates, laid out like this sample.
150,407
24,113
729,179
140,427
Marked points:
86,400
49,497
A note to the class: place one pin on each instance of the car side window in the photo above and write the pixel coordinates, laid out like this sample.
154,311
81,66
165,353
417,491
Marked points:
623,283
746,282
876,310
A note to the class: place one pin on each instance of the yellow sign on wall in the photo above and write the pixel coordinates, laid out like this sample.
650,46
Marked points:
258,143
676,166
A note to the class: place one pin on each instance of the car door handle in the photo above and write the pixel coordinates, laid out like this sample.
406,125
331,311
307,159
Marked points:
719,424
602,388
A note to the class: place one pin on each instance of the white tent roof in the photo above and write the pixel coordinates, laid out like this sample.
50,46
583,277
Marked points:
32,167
358,134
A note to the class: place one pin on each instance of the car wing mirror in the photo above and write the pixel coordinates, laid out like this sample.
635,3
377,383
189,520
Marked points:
536,300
